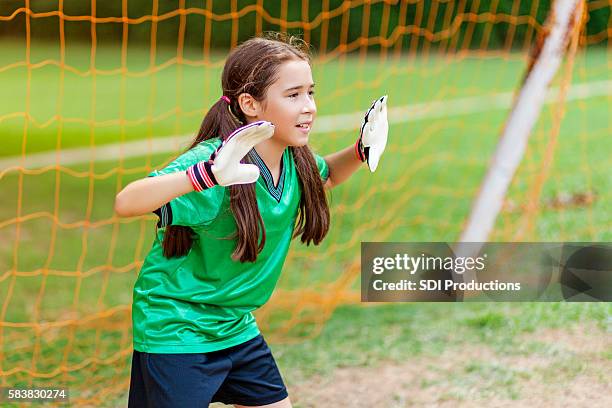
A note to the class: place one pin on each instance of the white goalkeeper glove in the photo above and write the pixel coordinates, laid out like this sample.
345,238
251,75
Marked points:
373,134
224,167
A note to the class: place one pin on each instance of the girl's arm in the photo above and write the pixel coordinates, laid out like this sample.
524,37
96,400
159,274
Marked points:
148,194
342,165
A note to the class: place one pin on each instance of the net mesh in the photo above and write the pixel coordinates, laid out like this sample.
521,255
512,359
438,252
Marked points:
97,98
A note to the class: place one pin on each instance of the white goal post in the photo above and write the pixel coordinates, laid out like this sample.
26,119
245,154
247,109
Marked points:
564,16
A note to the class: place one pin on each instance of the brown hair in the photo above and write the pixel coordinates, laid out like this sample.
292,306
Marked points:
251,68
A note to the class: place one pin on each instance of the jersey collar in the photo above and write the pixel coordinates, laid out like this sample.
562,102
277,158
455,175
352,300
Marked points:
275,191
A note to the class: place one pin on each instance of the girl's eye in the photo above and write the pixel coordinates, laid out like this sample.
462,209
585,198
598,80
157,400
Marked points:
295,95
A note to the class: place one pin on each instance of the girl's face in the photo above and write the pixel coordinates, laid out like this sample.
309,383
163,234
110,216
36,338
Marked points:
290,104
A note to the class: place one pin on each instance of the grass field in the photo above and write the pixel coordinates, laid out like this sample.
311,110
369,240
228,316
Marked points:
422,192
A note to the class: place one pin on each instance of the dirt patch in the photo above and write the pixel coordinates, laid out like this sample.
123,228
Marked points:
562,368
579,339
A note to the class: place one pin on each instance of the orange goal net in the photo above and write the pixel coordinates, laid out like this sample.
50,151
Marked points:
97,95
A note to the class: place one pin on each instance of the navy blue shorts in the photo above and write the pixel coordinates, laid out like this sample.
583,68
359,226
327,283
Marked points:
245,374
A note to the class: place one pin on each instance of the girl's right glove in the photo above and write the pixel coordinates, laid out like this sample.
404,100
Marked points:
373,134
224,167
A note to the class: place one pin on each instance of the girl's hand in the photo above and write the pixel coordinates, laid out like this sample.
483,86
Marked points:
373,135
224,167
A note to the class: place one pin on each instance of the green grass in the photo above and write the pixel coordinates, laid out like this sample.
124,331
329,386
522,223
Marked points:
422,192
397,332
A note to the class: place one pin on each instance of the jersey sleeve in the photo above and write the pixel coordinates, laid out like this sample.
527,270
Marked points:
196,208
322,166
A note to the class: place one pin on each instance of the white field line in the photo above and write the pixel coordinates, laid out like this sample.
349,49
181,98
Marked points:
324,124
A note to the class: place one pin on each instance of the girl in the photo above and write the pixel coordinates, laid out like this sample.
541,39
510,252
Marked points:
228,208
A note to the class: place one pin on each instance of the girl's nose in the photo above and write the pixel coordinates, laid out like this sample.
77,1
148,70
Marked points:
310,106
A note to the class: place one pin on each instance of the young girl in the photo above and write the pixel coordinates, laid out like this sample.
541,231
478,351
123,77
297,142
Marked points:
229,207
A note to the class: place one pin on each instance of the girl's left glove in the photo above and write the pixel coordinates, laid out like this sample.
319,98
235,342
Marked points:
373,134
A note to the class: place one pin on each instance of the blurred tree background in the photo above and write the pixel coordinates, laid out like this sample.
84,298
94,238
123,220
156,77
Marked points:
235,21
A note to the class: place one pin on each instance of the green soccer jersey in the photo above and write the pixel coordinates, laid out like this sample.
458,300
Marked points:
203,301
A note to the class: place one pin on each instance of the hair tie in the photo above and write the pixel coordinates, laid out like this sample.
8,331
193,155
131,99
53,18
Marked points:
229,109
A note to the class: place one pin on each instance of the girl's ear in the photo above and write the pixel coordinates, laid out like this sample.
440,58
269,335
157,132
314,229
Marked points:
249,106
